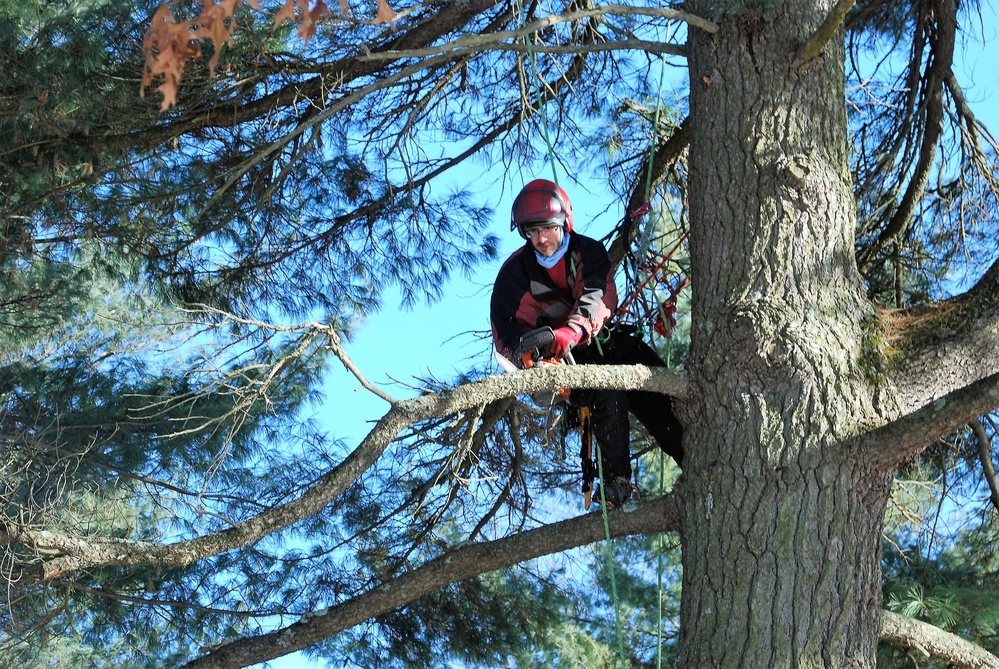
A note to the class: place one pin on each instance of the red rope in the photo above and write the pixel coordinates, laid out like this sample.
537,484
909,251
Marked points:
653,274
668,310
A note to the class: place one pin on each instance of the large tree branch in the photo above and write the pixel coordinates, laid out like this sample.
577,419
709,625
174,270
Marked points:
937,349
905,437
909,633
76,553
658,515
505,39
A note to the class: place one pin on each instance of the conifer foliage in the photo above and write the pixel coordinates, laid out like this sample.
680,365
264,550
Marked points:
181,272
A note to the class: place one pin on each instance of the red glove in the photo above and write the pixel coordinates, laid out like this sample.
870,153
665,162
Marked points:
565,338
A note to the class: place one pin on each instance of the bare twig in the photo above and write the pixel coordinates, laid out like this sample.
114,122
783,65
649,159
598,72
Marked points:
341,354
985,456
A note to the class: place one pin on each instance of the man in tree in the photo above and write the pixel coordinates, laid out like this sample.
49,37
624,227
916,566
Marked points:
831,210
565,280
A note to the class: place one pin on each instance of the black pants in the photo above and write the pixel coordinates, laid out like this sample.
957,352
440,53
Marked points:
609,408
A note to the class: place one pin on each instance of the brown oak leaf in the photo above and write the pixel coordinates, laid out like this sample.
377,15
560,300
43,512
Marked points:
286,13
308,27
168,45
385,13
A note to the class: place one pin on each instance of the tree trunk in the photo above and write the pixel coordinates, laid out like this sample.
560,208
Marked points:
781,561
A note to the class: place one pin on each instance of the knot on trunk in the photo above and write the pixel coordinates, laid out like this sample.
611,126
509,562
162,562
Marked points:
793,171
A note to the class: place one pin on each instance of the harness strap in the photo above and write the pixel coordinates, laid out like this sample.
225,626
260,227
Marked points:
586,454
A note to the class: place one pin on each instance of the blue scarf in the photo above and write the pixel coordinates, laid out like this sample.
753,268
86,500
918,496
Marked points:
552,260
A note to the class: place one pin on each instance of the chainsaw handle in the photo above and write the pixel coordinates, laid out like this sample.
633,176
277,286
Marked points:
533,346
534,342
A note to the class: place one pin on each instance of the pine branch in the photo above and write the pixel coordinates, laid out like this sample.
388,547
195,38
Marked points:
825,32
77,553
931,641
511,40
333,76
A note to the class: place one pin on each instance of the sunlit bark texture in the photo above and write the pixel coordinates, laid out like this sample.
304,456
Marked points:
782,524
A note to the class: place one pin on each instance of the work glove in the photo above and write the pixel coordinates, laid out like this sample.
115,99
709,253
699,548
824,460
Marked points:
565,338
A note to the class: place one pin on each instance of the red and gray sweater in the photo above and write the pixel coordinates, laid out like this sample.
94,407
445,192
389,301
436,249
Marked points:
579,290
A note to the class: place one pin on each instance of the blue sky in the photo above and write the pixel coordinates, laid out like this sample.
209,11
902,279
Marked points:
399,346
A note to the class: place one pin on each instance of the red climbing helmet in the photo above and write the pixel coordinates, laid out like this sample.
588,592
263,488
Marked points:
541,202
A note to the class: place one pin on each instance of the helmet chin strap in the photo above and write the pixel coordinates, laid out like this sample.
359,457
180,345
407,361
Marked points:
552,260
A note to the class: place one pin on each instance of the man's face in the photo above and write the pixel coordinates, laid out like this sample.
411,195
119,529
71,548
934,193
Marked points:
545,239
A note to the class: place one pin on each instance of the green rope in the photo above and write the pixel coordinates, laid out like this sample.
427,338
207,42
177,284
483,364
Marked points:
542,108
609,554
655,128
659,567
662,549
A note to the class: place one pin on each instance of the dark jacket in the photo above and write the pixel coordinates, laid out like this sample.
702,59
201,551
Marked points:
525,296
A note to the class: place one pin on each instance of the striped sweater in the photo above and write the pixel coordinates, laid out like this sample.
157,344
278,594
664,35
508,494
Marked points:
579,290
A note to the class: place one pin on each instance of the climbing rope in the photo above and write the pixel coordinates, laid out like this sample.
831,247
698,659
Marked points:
659,568
663,318
539,92
609,556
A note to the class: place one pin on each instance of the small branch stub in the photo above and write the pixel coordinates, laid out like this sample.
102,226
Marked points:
834,19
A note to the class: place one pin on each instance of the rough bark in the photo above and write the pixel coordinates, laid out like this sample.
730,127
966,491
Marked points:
782,523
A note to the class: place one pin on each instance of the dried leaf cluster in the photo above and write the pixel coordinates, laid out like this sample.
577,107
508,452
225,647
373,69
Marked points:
170,43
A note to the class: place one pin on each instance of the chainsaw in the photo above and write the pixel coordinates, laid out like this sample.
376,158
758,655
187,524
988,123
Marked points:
532,350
